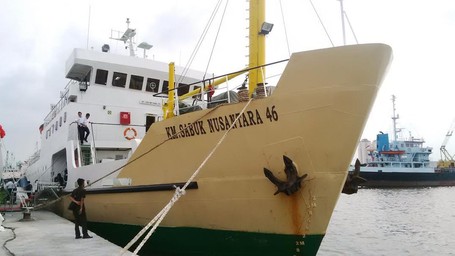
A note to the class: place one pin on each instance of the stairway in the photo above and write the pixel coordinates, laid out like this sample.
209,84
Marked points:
86,155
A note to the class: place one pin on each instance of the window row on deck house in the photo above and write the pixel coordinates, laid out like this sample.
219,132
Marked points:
55,126
137,82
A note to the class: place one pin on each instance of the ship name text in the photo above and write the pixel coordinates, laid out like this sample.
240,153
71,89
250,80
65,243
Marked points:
222,123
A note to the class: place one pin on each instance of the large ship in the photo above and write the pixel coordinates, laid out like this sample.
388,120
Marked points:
260,175
401,162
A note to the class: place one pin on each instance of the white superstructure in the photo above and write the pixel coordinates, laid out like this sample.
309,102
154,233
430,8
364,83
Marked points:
122,95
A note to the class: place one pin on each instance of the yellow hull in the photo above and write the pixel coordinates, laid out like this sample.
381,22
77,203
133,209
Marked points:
315,117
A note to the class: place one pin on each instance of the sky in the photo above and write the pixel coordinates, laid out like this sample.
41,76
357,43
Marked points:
38,37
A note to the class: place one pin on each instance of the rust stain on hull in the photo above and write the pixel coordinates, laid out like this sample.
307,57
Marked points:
297,220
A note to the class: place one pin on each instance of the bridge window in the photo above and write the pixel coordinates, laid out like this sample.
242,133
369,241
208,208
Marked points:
101,76
183,89
149,120
119,79
136,82
165,86
152,85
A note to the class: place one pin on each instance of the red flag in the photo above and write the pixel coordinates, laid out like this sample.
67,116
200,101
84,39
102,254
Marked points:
2,132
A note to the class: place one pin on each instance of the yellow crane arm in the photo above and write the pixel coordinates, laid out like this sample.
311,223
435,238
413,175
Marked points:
214,84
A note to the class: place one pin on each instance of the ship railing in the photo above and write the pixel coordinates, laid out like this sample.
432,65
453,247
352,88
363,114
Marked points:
396,164
217,82
55,109
43,191
105,136
108,132
41,185
25,200
200,99
225,94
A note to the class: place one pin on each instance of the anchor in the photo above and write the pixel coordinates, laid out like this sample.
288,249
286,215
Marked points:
353,180
293,181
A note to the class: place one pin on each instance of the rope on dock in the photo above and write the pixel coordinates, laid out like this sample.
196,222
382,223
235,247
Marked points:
177,194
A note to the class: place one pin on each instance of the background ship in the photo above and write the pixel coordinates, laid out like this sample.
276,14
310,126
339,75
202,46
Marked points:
399,162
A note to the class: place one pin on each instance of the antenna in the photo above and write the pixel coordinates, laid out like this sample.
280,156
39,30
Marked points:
394,118
145,46
88,26
127,37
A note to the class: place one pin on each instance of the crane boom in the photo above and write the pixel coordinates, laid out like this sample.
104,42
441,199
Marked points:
446,158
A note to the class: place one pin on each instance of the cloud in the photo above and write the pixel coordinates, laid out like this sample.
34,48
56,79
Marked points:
40,35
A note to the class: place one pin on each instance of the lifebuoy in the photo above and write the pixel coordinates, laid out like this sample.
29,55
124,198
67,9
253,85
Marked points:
127,134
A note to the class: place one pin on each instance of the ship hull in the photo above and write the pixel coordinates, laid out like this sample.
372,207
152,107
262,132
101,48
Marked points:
409,179
315,117
200,241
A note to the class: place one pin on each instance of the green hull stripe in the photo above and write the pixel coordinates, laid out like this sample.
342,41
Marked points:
197,241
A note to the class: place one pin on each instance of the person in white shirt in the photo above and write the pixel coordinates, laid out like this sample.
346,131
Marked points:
85,124
80,127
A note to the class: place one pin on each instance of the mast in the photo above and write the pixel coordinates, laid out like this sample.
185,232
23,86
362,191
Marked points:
168,108
130,38
257,44
394,119
88,25
127,37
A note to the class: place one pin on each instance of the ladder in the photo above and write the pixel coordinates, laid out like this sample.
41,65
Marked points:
86,155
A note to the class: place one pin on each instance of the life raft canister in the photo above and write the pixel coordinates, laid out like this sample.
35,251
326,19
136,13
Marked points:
127,134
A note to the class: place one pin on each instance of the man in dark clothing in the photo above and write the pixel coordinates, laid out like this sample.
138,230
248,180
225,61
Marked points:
80,218
59,179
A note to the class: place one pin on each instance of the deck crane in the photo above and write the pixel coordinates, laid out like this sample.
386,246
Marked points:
447,159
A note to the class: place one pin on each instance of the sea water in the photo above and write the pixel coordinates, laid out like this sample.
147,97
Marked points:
393,222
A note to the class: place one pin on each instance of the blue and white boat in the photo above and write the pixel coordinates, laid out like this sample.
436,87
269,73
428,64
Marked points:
400,162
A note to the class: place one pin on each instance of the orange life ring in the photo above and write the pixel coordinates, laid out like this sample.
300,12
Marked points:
129,137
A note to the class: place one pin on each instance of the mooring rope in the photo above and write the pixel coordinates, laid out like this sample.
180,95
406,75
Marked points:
178,193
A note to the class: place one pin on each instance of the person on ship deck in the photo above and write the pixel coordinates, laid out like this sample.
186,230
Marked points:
80,128
86,130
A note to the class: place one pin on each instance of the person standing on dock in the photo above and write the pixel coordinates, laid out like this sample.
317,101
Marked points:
80,217
10,187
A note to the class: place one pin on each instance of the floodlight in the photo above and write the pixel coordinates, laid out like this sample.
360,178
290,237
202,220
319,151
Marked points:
83,86
266,28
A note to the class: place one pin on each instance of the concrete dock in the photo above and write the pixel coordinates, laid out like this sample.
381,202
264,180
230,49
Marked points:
48,234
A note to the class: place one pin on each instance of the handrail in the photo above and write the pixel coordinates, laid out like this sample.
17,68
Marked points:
115,133
220,76
59,106
228,95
